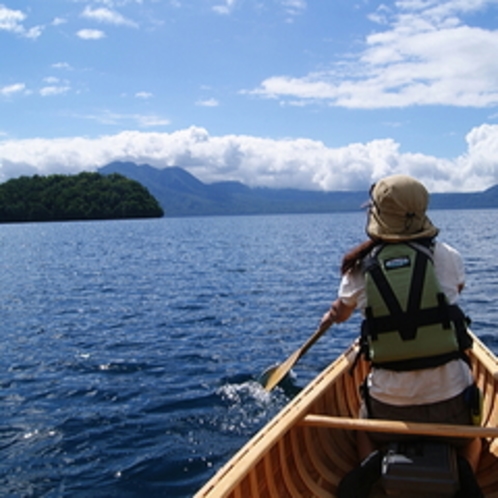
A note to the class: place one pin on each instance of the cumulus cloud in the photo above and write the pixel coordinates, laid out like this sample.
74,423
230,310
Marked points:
10,90
255,161
208,103
108,16
62,65
224,8
58,21
54,86
51,90
144,95
294,7
423,54
12,22
90,34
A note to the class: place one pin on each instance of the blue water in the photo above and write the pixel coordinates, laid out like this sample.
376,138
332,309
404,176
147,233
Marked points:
130,349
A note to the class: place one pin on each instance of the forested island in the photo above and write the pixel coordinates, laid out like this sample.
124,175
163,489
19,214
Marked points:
87,196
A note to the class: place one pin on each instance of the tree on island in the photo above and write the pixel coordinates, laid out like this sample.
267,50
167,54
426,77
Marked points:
87,196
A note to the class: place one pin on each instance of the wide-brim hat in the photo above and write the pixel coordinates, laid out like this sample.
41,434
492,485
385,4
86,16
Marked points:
398,210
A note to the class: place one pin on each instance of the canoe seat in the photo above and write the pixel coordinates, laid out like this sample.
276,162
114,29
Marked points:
399,427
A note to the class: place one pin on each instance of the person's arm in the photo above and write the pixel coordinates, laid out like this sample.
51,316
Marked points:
450,272
339,312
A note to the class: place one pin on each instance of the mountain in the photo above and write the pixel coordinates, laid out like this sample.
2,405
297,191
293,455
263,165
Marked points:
475,200
182,194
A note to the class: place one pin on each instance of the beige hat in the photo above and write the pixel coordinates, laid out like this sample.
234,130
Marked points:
397,210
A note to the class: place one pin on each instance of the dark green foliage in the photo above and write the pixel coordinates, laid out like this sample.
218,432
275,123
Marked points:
87,196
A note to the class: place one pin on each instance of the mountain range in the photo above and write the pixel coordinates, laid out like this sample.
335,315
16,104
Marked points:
181,194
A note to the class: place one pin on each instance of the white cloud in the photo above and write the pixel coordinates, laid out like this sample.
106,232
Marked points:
482,154
90,34
150,121
207,103
224,8
107,16
290,7
299,163
143,95
51,90
9,90
12,21
131,120
294,7
34,32
62,65
425,55
58,21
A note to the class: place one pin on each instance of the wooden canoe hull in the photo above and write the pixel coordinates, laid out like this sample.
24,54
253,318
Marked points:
310,445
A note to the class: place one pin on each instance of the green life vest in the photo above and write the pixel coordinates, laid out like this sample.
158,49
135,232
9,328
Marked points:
408,323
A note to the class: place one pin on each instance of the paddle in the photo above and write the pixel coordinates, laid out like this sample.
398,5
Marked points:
273,375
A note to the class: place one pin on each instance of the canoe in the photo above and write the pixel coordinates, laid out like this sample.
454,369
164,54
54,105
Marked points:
306,449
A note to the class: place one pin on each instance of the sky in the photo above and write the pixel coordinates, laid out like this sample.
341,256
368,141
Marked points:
312,94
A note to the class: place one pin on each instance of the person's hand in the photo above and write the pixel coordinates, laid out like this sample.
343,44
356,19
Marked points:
327,320
338,312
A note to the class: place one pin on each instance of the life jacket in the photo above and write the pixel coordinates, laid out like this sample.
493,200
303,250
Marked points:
408,323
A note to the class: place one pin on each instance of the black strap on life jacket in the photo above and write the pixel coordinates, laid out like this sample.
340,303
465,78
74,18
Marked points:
405,322
461,323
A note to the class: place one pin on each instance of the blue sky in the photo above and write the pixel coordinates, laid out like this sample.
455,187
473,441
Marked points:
322,94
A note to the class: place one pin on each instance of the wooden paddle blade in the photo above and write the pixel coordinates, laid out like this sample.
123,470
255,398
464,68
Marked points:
266,375
274,375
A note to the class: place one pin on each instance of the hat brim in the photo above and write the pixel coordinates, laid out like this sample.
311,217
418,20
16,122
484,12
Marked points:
376,231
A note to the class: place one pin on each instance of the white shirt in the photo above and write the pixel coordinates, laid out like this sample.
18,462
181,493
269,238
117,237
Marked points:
419,386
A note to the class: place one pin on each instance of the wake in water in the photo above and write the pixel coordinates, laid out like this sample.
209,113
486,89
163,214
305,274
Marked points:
249,405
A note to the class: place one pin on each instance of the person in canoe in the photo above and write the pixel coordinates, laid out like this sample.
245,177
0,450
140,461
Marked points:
407,284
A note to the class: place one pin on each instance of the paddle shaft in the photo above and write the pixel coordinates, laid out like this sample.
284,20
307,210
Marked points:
307,345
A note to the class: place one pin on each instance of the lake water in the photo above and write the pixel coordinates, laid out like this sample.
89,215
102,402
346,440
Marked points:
130,349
